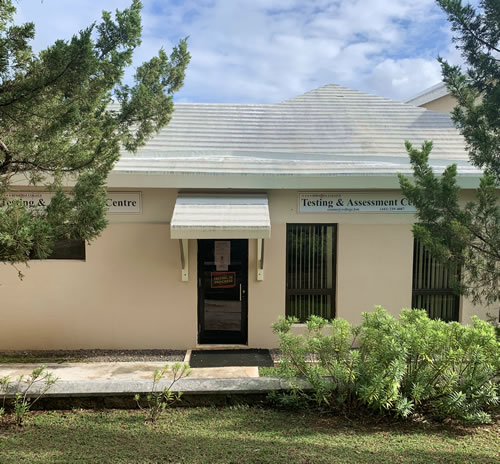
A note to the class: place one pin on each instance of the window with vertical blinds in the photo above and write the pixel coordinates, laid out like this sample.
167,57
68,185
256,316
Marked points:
310,276
432,285
66,249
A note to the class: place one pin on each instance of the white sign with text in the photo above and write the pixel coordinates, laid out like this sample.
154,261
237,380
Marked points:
346,202
222,254
117,202
124,203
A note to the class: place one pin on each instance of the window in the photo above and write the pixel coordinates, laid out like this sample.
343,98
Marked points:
310,275
433,285
67,249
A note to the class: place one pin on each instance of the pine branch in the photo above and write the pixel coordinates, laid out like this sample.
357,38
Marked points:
4,167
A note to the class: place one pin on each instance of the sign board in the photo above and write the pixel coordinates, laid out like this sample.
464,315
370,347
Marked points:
223,279
346,202
31,200
222,254
124,203
117,202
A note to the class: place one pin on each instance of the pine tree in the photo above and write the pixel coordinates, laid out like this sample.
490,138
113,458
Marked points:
65,113
467,236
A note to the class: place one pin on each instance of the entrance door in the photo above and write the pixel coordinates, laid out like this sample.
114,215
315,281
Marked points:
222,291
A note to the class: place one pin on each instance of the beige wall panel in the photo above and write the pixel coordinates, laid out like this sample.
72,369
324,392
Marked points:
468,309
443,105
266,298
374,267
128,294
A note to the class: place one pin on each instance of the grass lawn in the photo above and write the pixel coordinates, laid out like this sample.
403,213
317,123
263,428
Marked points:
239,435
268,372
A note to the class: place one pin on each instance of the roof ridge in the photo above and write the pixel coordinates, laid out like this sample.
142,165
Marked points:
222,104
308,92
326,87
298,98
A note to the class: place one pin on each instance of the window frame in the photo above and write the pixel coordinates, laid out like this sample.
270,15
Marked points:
56,250
441,291
332,292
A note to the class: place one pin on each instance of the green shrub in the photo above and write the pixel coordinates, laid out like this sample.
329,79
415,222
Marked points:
406,366
4,388
24,399
157,401
323,356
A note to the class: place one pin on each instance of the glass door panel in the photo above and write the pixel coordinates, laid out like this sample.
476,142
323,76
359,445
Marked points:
222,291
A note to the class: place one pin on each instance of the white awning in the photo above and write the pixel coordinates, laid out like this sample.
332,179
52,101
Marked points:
220,216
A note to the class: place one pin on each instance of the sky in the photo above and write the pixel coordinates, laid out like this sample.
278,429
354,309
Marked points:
266,51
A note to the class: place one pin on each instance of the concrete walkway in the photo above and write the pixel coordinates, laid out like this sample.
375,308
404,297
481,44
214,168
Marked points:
114,384
121,371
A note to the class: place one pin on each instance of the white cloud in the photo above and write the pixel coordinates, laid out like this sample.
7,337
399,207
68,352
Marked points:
271,50
61,19
403,78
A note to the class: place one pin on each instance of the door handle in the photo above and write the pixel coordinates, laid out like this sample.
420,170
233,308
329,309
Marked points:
240,292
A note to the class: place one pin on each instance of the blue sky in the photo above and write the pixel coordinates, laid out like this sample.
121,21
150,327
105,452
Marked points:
265,51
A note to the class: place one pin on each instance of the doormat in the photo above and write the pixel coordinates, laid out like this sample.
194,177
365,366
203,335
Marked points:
230,358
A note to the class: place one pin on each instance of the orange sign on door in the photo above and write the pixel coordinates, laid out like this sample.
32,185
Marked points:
223,279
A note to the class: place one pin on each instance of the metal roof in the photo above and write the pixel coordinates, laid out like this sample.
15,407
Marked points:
330,131
220,216
429,94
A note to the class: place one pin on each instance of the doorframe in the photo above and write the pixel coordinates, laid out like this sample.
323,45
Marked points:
222,337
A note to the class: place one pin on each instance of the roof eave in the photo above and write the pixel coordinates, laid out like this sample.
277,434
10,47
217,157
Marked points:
358,181
429,95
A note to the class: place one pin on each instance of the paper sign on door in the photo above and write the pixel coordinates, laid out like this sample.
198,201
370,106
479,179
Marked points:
222,254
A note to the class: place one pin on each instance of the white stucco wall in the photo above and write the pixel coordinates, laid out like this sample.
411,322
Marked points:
129,294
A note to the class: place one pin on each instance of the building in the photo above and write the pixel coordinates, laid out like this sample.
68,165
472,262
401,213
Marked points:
436,98
237,214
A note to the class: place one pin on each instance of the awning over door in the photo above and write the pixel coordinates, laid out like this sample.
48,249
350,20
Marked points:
220,216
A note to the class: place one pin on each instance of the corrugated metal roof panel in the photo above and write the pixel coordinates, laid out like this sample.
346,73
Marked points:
220,216
329,131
